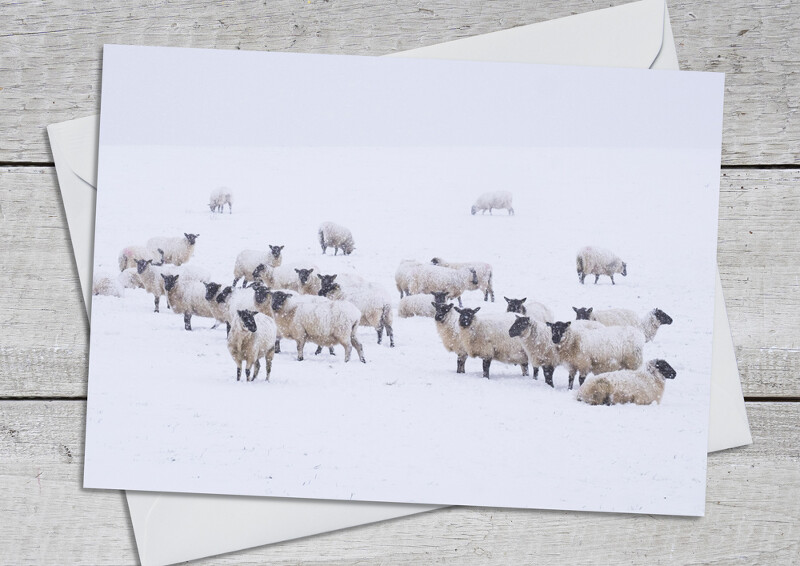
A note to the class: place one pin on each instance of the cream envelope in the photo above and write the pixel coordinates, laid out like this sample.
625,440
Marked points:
176,527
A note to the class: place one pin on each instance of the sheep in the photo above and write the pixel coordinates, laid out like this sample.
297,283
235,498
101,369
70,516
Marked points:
487,337
420,305
251,338
370,298
447,327
130,255
187,298
648,324
332,235
176,250
150,277
295,276
426,279
535,310
129,279
588,347
599,261
248,261
497,199
219,198
641,386
326,324
483,271
403,275
537,341
104,284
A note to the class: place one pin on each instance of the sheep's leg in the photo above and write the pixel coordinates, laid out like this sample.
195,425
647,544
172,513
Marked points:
571,377
301,342
379,328
459,302
535,372
612,280
235,281
357,346
581,276
460,361
390,334
247,373
269,357
318,351
277,345
548,375
486,363
581,378
596,277
524,369
187,320
256,368
238,372
330,351
156,300
227,329
347,349
485,295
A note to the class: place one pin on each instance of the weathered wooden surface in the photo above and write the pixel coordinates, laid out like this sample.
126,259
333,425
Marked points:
50,51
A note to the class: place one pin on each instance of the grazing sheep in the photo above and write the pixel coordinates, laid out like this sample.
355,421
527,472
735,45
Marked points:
426,279
537,341
325,324
648,324
588,347
130,255
176,250
104,284
535,310
252,337
219,198
370,298
187,298
248,261
497,199
403,275
487,337
447,327
597,262
420,305
483,271
641,386
332,235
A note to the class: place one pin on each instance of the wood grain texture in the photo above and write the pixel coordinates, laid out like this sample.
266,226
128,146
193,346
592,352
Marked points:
751,506
50,51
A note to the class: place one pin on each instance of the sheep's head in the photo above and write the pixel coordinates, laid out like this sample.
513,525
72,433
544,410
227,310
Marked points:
327,284
279,299
439,297
474,210
276,251
170,281
141,265
436,261
261,293
466,316
661,367
211,290
582,313
515,305
304,274
662,317
441,310
248,319
520,326
191,237
559,329
624,271
258,271
224,294
348,247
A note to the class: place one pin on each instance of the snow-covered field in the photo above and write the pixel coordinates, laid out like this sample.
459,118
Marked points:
165,412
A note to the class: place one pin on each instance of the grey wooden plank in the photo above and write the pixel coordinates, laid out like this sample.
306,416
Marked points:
50,62
752,514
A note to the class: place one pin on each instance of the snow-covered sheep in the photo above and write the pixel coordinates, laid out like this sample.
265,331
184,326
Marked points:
597,262
486,337
324,323
336,236
104,284
176,250
403,275
483,271
497,199
370,298
219,198
129,279
248,261
642,386
187,298
150,277
533,309
447,327
427,279
130,255
537,341
296,276
252,337
648,324
420,305
589,347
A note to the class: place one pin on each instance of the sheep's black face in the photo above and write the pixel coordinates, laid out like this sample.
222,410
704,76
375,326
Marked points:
248,319
276,251
441,310
474,210
170,281
224,294
582,313
327,283
515,305
520,325
304,274
192,238
436,261
439,297
258,271
665,369
624,269
261,293
211,290
662,317
466,316
141,265
278,300
559,329
348,248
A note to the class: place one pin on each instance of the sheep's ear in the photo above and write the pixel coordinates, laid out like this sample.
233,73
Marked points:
576,310
524,299
507,299
589,310
334,276
281,247
476,310
297,270
458,310
569,322
550,324
434,304
318,275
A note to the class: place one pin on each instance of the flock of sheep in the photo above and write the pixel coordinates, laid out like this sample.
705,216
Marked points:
296,301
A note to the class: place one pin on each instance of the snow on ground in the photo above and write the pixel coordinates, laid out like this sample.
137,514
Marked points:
166,414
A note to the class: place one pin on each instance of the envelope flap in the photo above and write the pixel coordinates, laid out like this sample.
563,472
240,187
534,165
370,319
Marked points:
78,144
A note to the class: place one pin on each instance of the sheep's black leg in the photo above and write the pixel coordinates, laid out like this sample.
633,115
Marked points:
238,373
247,374
548,375
581,379
187,321
300,345
596,277
535,372
277,345
235,281
330,351
156,300
581,277
459,302
524,369
612,280
318,351
486,363
227,329
256,367
460,361
486,295
390,334
571,378
380,333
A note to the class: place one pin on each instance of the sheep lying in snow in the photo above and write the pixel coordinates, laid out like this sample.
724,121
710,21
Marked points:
486,337
588,347
420,305
483,272
535,310
370,298
176,250
497,199
130,255
426,279
248,261
641,386
104,284
187,298
447,327
597,262
537,341
129,279
332,235
219,198
648,324
251,338
325,324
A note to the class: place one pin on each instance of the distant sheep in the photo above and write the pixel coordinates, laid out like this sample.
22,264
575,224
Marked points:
487,337
187,298
219,198
648,324
427,279
130,255
248,261
642,386
420,305
370,298
447,327
177,251
535,310
104,284
483,271
497,199
332,235
537,341
252,337
597,262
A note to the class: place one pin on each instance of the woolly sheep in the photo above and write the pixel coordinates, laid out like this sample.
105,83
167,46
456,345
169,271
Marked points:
537,341
104,284
403,275
648,324
251,338
447,327
325,324
483,271
332,235
535,310
150,277
129,279
641,386
420,305
248,261
370,298
497,199
426,279
588,347
597,262
176,250
187,298
130,255
487,337
219,198
296,276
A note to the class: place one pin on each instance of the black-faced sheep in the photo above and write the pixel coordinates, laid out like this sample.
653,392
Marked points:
150,276
177,251
130,255
336,236
370,298
597,262
483,272
648,324
426,279
642,386
497,199
447,327
252,337
420,305
187,298
535,310
248,261
537,341
219,198
486,337
296,276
